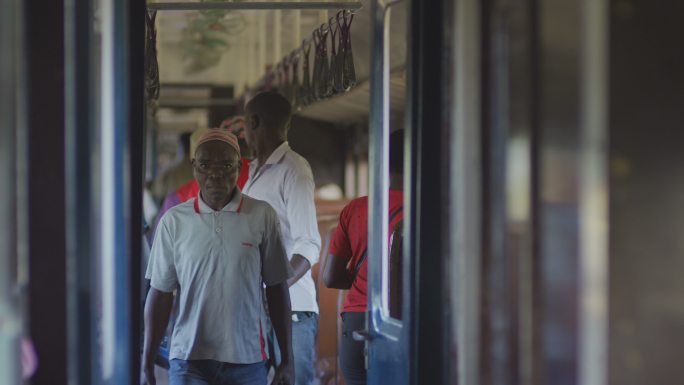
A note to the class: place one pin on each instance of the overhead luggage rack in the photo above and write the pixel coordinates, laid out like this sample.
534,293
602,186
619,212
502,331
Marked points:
249,6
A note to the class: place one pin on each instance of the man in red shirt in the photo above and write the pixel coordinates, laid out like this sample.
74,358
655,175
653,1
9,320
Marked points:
347,265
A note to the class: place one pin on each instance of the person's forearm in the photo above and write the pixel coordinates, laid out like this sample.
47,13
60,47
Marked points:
300,266
335,275
278,297
157,311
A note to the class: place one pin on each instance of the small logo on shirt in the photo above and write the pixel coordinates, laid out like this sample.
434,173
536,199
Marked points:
247,244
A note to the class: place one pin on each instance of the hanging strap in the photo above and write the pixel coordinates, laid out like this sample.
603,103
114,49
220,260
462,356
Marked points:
393,215
151,62
305,89
349,73
294,87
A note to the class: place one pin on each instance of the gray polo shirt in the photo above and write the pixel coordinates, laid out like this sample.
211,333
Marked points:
219,260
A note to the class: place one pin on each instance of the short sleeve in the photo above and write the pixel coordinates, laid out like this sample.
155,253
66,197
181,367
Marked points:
340,244
275,266
161,270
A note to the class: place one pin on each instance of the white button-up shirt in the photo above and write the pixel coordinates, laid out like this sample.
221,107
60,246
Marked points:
285,182
220,260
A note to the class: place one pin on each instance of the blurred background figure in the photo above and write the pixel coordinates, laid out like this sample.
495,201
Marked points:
176,175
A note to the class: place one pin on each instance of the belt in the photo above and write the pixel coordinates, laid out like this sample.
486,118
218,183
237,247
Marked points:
298,315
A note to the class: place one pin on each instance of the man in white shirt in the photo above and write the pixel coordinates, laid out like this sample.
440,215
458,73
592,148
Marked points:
218,250
283,178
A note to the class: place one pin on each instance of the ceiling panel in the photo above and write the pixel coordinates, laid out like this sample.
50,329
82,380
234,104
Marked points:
243,61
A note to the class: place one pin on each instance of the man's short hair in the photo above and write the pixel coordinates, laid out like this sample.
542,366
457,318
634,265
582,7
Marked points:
396,152
272,109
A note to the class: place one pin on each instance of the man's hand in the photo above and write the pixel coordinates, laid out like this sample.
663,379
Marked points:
284,375
300,266
278,297
148,375
157,311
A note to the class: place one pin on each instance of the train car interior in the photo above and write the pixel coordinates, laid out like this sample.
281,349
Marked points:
535,213
201,85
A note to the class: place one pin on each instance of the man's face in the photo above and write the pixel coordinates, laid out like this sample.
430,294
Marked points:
216,167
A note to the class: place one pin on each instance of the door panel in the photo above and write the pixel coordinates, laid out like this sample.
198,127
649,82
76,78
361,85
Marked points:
387,337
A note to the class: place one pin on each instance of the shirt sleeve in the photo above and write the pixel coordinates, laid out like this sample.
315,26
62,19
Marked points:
275,266
301,213
340,244
161,270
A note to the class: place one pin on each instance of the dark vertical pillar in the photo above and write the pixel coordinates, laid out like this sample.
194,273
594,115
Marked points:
510,149
557,216
44,31
533,360
430,23
497,278
646,135
136,137
508,130
79,128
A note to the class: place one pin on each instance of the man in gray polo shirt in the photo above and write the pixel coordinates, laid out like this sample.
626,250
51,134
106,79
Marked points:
218,250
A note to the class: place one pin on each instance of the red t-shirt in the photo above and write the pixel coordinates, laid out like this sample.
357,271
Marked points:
351,240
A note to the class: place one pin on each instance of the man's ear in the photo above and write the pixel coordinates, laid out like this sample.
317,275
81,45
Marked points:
255,121
193,162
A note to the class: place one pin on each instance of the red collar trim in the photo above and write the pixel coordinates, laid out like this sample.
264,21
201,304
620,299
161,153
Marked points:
242,199
196,205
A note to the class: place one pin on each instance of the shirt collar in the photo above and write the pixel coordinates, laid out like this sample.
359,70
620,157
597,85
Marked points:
275,156
234,205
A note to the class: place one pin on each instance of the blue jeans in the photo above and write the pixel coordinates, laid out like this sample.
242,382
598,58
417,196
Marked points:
304,331
210,372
